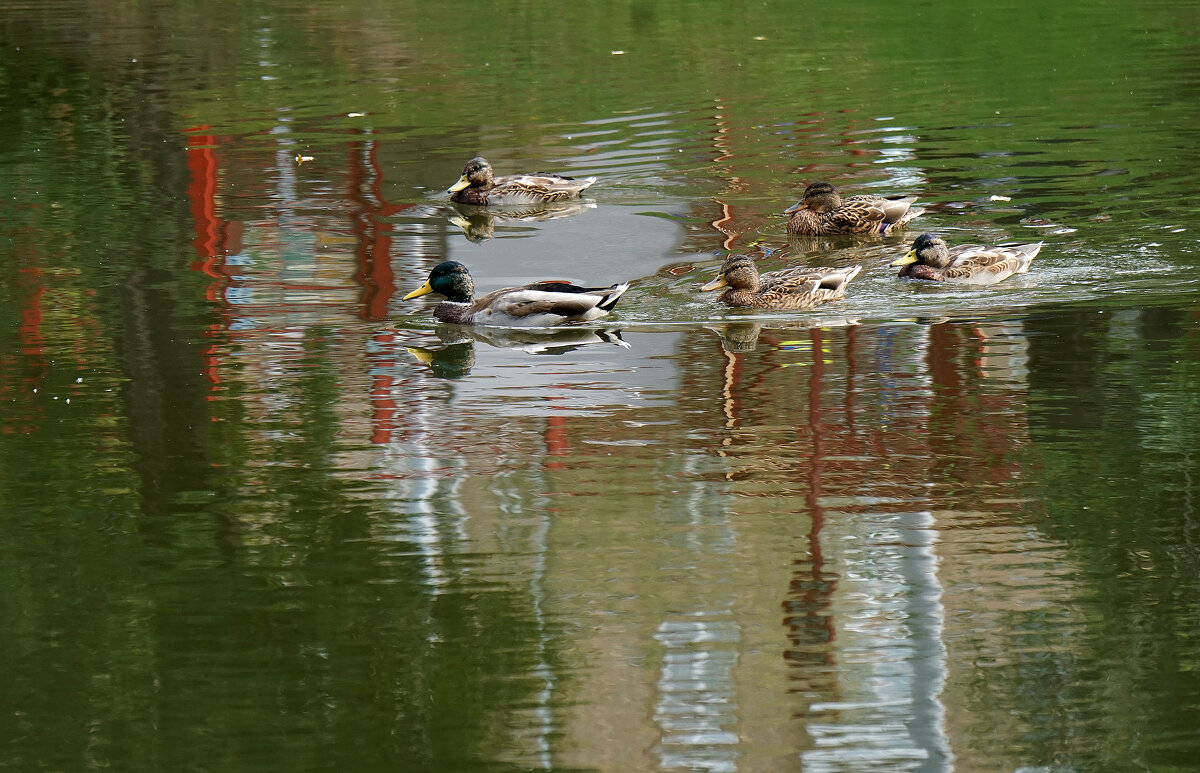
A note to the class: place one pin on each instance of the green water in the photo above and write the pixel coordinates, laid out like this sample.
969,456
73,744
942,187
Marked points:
257,513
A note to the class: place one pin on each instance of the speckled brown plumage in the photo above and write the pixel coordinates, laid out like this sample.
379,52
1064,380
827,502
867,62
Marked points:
823,212
478,187
931,259
790,289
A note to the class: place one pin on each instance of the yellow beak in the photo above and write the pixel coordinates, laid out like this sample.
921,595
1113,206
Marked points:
909,257
424,289
798,205
421,354
463,182
715,284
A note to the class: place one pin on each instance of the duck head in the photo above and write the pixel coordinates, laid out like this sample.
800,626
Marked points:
929,249
738,272
819,197
449,278
476,174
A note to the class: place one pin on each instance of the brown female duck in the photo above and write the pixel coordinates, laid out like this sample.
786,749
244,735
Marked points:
791,289
479,187
823,212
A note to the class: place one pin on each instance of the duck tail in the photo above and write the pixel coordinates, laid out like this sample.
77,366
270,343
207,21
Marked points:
612,295
837,280
1030,252
911,214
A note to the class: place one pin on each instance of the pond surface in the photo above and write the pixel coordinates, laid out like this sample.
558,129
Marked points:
257,513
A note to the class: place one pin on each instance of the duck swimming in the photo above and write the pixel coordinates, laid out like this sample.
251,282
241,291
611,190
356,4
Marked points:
543,304
823,212
932,259
793,289
479,187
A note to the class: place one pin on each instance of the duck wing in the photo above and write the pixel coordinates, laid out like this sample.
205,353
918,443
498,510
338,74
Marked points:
803,287
894,208
857,214
977,264
536,188
545,304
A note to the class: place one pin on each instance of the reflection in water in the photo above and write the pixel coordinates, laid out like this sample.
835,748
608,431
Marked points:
866,610
738,336
886,712
234,501
743,336
823,541
479,224
456,356
696,707
453,360
532,340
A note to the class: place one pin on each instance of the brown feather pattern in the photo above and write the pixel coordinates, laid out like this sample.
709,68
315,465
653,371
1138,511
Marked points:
823,212
932,259
479,187
790,289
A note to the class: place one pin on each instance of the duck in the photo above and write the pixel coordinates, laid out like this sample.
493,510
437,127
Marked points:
792,289
823,212
543,304
477,186
932,259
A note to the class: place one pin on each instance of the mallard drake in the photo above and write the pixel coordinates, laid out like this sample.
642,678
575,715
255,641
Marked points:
822,212
543,304
930,258
477,186
792,289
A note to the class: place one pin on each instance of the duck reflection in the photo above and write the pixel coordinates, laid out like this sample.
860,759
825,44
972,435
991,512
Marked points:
803,245
450,361
455,356
479,224
738,337
855,244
